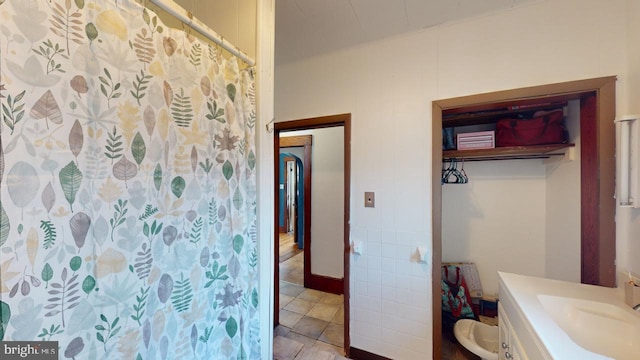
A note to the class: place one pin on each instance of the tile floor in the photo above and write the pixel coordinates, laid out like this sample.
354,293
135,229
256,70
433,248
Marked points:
311,322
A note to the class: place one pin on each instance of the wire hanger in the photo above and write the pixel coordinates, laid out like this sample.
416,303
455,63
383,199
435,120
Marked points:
451,174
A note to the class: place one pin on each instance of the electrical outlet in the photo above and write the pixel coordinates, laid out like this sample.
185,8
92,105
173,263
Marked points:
369,199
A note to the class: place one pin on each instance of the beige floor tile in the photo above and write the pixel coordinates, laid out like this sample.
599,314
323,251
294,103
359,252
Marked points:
333,334
293,277
307,341
311,295
285,299
329,348
289,318
299,306
313,353
338,318
323,311
290,289
281,330
310,327
332,299
324,318
285,348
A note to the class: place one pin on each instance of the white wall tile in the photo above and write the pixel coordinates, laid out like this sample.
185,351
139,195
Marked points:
358,312
405,253
404,238
403,267
359,288
420,299
374,235
374,318
420,284
374,290
387,251
374,332
374,263
404,283
387,280
374,249
359,274
406,311
404,296
388,237
388,306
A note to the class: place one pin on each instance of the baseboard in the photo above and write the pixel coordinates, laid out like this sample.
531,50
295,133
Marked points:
358,354
324,284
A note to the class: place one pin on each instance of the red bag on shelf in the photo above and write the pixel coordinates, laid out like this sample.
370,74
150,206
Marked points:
543,128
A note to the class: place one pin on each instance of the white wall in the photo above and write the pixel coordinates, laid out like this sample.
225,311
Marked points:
388,86
327,200
497,220
562,211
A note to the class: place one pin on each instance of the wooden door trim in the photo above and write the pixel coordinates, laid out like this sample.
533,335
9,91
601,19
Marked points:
603,185
296,141
343,120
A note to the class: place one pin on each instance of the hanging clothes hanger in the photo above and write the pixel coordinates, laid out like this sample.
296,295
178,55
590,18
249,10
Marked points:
451,174
463,174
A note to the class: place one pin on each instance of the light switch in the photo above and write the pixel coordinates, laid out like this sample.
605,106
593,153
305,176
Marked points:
369,199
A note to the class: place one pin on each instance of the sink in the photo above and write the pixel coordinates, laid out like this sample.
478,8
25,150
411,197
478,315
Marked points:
599,327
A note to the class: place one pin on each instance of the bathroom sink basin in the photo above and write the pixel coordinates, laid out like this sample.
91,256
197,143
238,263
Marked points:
602,328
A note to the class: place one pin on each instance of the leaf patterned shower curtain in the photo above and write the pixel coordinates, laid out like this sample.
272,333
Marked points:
127,186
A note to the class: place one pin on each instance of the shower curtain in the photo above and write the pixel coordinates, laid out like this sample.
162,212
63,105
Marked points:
127,186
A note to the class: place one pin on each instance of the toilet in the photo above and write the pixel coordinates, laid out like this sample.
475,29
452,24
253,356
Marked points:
481,339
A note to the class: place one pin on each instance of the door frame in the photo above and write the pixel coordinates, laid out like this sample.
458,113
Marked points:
598,206
343,120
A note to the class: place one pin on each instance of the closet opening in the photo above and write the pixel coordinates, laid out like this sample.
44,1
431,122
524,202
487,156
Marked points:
595,99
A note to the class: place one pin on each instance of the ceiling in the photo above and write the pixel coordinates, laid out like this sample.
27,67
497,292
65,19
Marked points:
307,28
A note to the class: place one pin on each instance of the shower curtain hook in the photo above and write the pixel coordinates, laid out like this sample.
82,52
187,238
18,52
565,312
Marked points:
270,126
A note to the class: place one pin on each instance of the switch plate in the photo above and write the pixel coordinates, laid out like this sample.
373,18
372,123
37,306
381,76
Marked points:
369,199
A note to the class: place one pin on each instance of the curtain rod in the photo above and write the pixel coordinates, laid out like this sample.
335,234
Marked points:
187,17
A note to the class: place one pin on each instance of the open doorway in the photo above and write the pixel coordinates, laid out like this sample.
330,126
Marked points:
320,286
294,206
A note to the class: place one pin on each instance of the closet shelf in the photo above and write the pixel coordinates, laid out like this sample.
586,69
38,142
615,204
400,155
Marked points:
508,153
492,115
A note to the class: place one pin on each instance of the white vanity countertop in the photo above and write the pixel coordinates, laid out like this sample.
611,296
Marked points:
525,290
